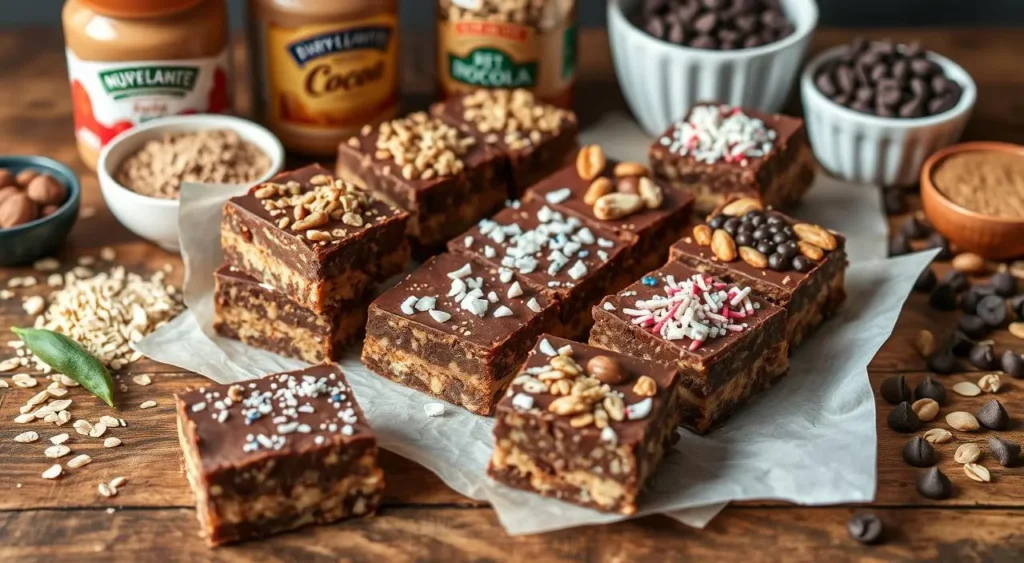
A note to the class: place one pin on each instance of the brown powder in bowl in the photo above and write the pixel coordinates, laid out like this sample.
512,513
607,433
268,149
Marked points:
214,156
986,182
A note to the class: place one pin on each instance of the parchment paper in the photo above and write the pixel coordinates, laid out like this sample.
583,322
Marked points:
808,440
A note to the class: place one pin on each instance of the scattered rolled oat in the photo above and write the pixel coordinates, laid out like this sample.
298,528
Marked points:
98,430
111,442
104,489
54,452
109,421
147,405
79,461
33,305
26,437
60,438
53,472
433,409
142,379
118,482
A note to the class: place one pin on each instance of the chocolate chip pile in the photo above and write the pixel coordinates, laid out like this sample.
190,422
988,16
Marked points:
887,79
28,196
214,156
769,234
714,24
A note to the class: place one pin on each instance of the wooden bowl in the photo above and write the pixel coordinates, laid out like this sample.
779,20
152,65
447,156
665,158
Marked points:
996,238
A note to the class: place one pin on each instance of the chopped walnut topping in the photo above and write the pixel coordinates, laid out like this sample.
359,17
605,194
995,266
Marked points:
329,200
516,114
423,147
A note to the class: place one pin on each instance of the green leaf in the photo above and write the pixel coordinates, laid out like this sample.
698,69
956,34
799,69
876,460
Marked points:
70,358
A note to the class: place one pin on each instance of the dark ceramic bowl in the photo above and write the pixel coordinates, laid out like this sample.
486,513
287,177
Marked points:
44,236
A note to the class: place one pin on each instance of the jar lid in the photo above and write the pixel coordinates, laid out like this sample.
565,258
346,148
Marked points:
130,9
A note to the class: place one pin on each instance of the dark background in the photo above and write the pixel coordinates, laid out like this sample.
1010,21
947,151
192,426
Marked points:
834,13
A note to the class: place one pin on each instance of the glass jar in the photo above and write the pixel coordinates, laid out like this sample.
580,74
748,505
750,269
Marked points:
134,60
508,44
324,68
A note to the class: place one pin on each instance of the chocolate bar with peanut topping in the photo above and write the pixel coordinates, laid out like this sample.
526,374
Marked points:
585,425
277,453
727,342
796,265
317,239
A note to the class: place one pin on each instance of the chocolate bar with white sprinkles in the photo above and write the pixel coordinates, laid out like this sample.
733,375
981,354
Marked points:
727,342
277,453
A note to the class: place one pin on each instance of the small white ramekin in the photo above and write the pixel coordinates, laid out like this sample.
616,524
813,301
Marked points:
884,151
156,219
661,80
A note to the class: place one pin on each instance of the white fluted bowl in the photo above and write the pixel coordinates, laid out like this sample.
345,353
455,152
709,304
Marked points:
661,80
884,151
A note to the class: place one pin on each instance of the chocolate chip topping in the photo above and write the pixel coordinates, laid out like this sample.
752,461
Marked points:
714,24
935,485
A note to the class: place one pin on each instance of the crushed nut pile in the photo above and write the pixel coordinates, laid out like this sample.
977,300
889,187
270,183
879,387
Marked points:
332,200
424,147
516,114
214,156
540,13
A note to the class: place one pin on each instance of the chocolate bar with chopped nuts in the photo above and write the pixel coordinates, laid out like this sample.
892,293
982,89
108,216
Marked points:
538,138
442,176
796,265
720,151
649,229
319,240
727,341
585,425
456,329
575,263
262,317
277,453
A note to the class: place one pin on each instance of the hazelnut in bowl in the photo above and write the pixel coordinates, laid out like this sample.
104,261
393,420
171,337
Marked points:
876,110
142,169
973,193
39,199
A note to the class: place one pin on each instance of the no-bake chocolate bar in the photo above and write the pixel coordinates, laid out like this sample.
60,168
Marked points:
536,137
720,151
457,329
585,425
622,198
796,265
317,239
262,317
727,342
441,175
277,453
576,264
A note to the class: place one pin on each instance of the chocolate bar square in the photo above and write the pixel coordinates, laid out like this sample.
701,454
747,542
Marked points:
720,151
277,453
456,329
585,425
317,239
727,342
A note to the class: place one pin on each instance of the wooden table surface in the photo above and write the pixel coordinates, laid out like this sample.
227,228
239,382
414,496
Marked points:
421,518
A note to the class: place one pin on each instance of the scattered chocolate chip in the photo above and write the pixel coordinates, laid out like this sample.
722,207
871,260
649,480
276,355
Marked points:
929,388
957,280
942,298
919,453
983,357
943,362
802,264
893,201
865,527
960,344
972,325
899,245
717,24
993,416
992,310
904,419
935,485
1016,304
1007,453
1012,364
895,390
969,299
936,240
1004,284
913,228
926,281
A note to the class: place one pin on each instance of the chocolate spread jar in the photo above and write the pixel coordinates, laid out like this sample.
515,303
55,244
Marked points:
508,44
324,68
130,61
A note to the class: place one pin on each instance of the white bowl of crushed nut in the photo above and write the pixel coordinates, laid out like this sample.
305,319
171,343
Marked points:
141,170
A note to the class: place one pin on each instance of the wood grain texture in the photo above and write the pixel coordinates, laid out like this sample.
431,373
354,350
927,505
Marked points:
422,518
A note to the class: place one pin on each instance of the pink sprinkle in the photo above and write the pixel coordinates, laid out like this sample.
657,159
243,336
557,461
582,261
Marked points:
719,285
668,317
695,344
643,320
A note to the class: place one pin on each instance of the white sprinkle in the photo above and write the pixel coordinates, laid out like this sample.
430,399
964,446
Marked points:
492,297
547,348
638,411
440,316
407,305
468,241
462,272
515,290
522,401
502,311
607,306
426,303
433,409
505,275
198,407
533,305
578,270
558,196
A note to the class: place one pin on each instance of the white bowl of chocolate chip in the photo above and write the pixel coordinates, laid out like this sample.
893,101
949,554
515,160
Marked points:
141,170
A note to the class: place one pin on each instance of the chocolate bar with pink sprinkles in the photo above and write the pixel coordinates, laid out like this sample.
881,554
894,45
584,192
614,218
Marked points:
726,340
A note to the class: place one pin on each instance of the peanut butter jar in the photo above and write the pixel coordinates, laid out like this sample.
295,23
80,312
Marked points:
324,68
527,44
130,61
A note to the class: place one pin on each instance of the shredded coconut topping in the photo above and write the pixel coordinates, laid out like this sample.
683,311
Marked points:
720,133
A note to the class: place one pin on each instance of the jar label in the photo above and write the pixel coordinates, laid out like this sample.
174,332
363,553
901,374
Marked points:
485,54
329,77
110,97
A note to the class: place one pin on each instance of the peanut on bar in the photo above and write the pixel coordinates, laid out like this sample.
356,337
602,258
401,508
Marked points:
585,425
277,453
262,317
317,239
718,151
456,329
727,342
795,265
